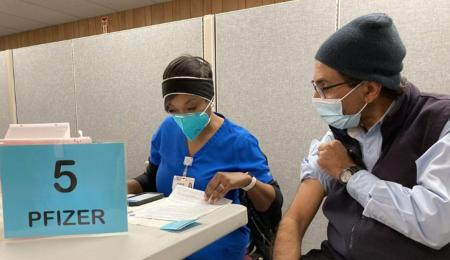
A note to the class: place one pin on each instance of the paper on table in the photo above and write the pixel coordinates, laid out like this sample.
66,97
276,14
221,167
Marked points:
183,204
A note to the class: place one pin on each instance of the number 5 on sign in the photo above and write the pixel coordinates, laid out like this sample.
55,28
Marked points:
58,173
63,189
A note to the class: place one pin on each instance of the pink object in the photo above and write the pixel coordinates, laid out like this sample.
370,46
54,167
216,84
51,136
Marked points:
53,133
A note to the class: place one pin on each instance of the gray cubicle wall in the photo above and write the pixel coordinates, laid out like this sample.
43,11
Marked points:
44,84
425,29
118,82
4,104
264,66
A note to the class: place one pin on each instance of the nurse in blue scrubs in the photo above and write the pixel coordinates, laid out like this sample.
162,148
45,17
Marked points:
197,147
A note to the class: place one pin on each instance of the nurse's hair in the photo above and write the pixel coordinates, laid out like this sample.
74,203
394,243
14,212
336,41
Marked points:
188,66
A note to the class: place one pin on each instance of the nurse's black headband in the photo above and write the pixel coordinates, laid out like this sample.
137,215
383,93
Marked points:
202,87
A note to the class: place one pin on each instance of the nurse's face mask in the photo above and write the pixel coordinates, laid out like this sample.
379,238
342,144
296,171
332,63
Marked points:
192,124
331,111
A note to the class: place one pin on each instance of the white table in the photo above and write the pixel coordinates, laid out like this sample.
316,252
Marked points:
141,242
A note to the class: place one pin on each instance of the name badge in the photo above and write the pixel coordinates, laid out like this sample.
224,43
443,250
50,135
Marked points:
184,181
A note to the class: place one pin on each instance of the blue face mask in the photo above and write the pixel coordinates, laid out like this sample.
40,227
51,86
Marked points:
330,110
192,124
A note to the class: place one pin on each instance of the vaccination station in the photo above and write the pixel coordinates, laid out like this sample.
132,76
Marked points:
224,130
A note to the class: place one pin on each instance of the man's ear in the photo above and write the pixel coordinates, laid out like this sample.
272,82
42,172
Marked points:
373,91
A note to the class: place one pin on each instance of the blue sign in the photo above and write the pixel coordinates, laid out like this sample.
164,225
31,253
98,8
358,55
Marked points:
63,189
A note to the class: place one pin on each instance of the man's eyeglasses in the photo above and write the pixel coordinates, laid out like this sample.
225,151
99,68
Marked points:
321,90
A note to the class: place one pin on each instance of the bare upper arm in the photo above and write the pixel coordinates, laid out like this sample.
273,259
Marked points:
306,202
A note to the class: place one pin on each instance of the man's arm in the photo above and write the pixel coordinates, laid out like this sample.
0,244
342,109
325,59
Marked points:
297,219
420,213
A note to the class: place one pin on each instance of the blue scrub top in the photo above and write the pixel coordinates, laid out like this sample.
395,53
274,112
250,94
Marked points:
231,149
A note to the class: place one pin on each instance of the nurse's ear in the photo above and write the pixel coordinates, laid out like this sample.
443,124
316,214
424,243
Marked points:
210,108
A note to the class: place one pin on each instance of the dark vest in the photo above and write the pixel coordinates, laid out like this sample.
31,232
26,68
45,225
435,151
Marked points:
412,125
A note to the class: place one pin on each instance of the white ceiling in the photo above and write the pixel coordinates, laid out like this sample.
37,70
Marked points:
24,15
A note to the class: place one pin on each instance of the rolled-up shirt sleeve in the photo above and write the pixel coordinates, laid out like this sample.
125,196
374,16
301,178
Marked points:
309,167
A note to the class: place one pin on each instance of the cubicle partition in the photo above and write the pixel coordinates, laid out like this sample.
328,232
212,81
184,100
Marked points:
118,83
108,86
4,104
264,67
43,77
425,30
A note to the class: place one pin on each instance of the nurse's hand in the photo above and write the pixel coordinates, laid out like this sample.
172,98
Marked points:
223,182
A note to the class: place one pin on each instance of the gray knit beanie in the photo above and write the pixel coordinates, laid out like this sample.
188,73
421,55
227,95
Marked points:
367,48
